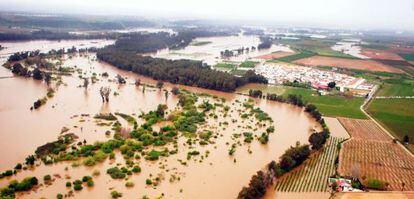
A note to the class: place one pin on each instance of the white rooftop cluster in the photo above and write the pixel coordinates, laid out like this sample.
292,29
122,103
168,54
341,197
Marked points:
278,73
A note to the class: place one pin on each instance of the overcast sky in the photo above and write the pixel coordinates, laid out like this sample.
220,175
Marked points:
395,14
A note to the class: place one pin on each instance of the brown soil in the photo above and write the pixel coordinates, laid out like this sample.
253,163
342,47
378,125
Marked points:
364,129
381,54
371,153
347,63
401,49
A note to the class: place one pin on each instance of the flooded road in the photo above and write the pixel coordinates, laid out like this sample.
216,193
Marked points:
217,176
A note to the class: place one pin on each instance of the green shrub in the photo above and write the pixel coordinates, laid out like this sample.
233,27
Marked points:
376,184
136,169
90,183
86,178
115,173
116,194
18,166
77,187
129,184
47,178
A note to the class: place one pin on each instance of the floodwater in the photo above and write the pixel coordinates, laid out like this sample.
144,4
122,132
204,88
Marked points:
217,176
47,45
128,30
350,47
210,53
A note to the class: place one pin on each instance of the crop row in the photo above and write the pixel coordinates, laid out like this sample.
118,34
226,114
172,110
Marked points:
364,129
312,176
385,161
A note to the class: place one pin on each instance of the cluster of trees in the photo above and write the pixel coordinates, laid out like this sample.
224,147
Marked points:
255,93
14,186
297,84
265,43
19,69
292,158
186,72
242,50
18,56
318,139
291,99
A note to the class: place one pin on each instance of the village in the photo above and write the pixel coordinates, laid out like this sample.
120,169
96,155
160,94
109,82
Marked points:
280,73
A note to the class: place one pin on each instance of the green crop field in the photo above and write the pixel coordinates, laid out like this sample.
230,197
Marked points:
313,175
331,53
248,64
397,115
225,66
312,46
396,90
407,56
300,55
332,106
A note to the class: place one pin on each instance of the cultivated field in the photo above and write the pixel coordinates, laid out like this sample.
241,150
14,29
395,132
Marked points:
347,63
312,176
397,115
396,90
336,128
380,54
276,55
371,153
386,161
364,129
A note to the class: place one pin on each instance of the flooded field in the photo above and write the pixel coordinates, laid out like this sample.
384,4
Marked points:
350,47
210,52
74,106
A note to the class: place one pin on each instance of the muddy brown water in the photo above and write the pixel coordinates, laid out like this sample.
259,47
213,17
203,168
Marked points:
218,176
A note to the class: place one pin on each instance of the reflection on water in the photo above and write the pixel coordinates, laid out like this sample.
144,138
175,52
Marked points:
73,107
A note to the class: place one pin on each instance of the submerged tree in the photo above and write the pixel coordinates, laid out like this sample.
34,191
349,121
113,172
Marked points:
175,91
37,74
120,79
85,83
161,109
48,78
137,82
105,91
160,84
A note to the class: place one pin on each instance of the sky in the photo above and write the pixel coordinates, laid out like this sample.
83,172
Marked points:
359,14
